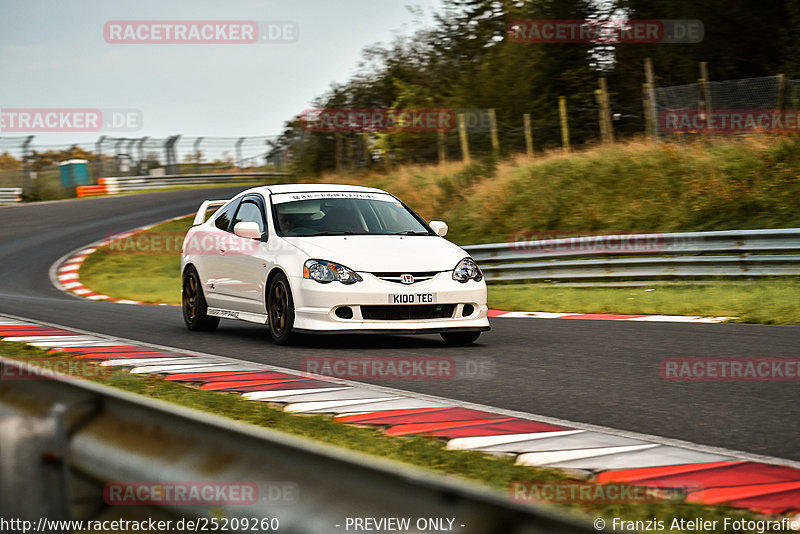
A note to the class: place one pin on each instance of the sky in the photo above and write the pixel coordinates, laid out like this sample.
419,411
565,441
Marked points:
54,54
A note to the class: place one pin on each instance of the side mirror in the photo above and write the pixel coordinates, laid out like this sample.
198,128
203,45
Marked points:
247,229
440,227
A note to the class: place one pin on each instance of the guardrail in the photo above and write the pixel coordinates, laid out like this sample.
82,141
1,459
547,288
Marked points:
93,434
120,184
644,256
10,195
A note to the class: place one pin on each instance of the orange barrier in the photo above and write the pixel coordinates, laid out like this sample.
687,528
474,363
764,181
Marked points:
90,190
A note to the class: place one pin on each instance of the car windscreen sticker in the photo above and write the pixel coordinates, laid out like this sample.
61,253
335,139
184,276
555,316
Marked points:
281,198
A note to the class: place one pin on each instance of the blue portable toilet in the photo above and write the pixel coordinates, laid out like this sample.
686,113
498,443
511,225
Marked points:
74,172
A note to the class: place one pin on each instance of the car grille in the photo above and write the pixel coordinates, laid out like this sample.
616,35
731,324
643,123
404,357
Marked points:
399,312
395,277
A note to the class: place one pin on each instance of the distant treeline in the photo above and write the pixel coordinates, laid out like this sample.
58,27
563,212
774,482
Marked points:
466,60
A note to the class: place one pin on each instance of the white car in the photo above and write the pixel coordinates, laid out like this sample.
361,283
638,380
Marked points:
322,258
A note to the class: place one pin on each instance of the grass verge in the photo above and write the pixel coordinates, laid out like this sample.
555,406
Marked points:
146,267
760,301
428,453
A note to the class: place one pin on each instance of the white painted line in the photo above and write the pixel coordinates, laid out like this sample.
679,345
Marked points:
534,315
678,319
134,362
553,457
332,395
660,455
73,344
173,369
71,285
402,402
38,339
421,400
328,406
268,395
582,440
478,442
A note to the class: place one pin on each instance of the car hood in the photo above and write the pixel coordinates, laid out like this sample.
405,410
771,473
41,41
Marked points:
378,253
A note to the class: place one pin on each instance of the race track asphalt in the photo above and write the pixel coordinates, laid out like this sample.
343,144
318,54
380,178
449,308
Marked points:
598,372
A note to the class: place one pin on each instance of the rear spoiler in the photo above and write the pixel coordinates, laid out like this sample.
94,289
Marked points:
200,217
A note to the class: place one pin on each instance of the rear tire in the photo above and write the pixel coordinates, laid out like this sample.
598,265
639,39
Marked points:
195,309
280,308
460,338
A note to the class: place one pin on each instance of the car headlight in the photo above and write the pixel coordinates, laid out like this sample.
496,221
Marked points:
467,269
325,272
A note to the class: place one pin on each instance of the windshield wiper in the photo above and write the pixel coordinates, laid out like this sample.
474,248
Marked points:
331,232
410,232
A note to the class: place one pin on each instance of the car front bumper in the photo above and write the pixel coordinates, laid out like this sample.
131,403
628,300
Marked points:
316,306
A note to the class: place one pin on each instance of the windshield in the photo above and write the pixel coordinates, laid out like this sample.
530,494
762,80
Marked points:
344,213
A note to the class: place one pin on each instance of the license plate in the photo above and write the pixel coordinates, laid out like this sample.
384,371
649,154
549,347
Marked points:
412,298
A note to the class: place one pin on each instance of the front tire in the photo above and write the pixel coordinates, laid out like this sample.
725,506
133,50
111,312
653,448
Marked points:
280,308
195,309
460,338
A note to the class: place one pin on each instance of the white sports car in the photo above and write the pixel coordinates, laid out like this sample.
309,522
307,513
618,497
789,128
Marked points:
321,258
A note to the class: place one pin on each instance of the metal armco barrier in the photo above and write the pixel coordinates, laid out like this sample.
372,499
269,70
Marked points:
10,195
121,184
99,434
734,253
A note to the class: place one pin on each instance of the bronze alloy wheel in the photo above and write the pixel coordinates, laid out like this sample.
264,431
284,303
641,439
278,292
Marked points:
190,302
194,304
280,306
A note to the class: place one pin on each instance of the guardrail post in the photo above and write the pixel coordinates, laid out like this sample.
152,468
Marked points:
129,152
239,159
197,155
142,166
98,162
34,467
651,97
493,133
172,160
462,135
27,182
526,119
117,158
562,113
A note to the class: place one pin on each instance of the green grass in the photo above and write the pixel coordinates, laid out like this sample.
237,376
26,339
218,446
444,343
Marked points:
636,186
119,271
243,185
765,302
720,184
428,453
136,269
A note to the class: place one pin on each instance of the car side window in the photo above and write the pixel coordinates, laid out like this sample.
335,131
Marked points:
249,212
223,219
